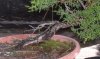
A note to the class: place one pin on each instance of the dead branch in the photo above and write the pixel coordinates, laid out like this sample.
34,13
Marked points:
47,34
68,8
84,7
34,29
45,14
35,40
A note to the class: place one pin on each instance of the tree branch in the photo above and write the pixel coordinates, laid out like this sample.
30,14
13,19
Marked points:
68,9
47,34
84,7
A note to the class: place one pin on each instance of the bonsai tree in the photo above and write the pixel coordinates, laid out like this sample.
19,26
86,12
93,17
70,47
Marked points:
84,13
81,15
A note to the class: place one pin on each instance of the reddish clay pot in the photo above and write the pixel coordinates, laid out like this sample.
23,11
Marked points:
71,55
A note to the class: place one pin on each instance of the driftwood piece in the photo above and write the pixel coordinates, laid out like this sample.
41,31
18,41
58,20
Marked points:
47,34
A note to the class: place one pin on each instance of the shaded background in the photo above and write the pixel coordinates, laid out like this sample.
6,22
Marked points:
8,7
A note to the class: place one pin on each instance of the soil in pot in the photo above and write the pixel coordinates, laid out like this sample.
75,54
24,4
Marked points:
48,49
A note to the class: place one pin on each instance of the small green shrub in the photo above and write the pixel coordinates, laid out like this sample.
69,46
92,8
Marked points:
66,16
38,5
90,25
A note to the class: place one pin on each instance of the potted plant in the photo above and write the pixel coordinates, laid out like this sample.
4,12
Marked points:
22,45
14,53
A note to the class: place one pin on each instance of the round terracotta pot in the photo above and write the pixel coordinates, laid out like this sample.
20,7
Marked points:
71,55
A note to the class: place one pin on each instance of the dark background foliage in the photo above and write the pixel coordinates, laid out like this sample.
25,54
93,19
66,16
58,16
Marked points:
8,7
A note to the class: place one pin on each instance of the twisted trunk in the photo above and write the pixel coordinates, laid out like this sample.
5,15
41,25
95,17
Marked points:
47,34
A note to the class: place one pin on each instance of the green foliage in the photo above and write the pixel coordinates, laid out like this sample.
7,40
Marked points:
89,18
90,25
89,28
38,5
73,3
66,16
